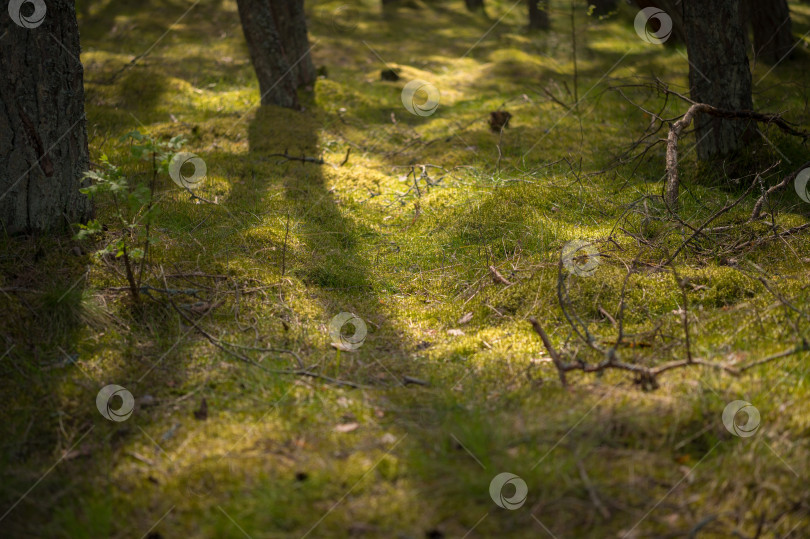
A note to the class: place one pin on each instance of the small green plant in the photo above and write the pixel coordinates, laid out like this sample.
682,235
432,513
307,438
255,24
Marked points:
134,202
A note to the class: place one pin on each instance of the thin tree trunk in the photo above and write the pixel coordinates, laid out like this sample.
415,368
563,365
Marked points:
276,34
773,36
718,74
538,15
43,132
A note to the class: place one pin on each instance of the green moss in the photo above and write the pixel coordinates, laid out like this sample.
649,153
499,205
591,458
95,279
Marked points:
288,245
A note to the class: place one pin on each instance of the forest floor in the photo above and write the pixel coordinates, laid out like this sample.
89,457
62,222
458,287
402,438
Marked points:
402,437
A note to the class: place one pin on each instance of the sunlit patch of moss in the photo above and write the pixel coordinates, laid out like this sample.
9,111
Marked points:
290,244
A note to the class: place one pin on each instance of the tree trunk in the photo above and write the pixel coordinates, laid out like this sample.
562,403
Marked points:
773,36
718,73
538,15
276,34
43,132
474,5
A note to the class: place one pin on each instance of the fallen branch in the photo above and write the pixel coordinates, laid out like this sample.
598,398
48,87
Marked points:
303,158
346,159
677,128
417,381
592,490
497,278
646,375
222,345
784,183
555,356
804,347
708,221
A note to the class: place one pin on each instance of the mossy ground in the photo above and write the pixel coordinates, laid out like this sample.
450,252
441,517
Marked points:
289,245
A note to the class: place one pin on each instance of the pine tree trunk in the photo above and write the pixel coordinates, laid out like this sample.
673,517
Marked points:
773,36
43,131
293,30
719,74
276,34
538,15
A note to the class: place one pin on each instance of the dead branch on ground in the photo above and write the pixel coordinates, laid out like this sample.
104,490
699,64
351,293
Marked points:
673,182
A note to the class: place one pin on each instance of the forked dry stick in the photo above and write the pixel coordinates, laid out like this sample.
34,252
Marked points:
677,128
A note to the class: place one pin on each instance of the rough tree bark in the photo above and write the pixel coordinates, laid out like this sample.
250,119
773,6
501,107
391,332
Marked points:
773,36
276,34
43,134
538,15
718,73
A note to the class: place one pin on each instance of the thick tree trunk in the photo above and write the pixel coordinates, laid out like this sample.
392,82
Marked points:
538,15
773,36
718,73
276,34
292,20
474,5
43,132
